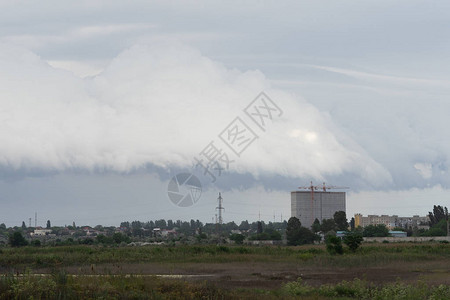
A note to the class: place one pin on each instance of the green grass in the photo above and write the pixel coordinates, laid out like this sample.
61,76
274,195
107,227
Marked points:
63,256
359,289
59,285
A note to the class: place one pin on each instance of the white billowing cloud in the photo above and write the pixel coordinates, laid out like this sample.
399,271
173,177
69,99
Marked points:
160,105
425,170
80,69
398,118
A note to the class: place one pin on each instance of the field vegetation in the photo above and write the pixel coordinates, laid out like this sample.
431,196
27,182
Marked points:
373,271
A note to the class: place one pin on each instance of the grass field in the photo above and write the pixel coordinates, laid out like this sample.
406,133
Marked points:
378,271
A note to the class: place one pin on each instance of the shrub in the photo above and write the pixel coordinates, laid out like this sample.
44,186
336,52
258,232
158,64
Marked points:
34,287
334,245
237,238
353,240
36,243
298,288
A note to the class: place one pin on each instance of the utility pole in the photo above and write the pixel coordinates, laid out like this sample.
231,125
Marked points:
35,219
220,208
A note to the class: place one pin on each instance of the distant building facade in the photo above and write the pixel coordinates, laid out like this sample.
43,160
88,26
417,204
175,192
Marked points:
307,206
392,221
41,232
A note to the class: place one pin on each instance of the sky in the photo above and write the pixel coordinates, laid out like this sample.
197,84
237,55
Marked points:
103,102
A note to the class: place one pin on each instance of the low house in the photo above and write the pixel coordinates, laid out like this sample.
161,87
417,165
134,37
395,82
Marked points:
341,233
168,232
398,233
41,232
90,231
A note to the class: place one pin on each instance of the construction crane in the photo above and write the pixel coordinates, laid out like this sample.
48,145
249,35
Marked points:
324,188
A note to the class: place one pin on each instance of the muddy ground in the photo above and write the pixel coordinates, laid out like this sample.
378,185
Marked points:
272,275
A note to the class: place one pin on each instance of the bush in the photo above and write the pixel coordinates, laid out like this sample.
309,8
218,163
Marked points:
434,231
237,238
353,240
298,288
334,245
36,243
33,288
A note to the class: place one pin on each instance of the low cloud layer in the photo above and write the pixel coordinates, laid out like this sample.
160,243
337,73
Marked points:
400,121
159,105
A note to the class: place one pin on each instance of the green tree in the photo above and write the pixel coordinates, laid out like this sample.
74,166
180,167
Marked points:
352,224
315,226
434,232
273,234
17,240
379,230
328,225
161,224
340,219
23,225
102,239
306,236
293,231
119,238
244,226
237,238
439,229
439,213
296,234
138,225
353,240
169,224
123,224
193,225
49,225
260,228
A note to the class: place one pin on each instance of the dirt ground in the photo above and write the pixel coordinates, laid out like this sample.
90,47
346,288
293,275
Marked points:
272,275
